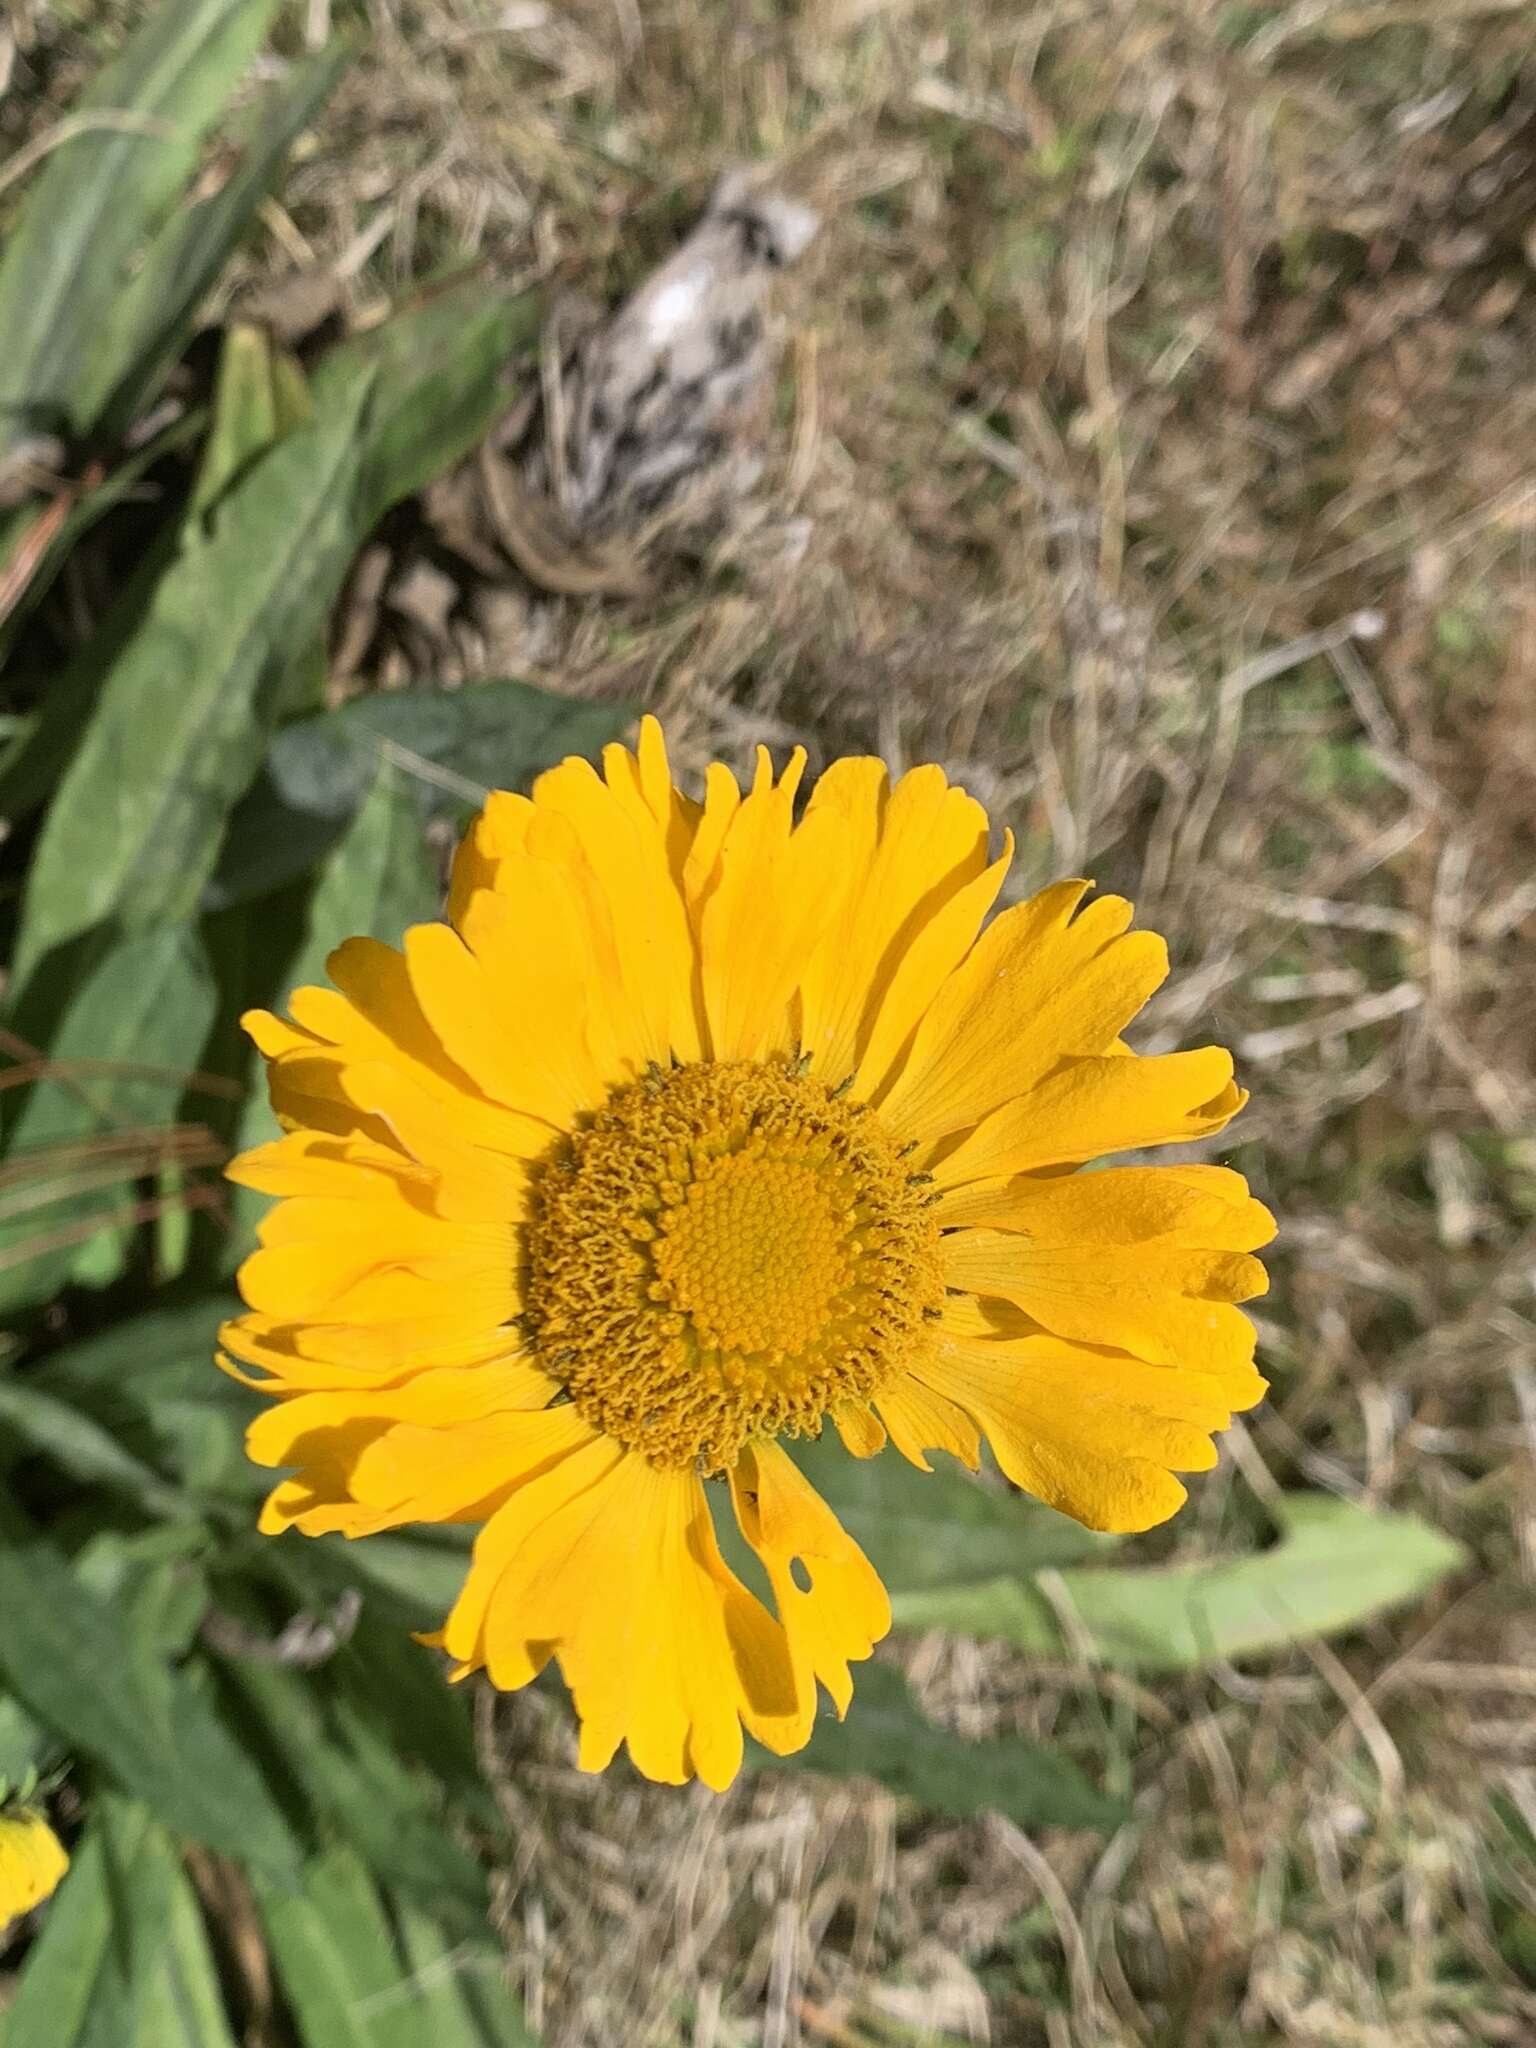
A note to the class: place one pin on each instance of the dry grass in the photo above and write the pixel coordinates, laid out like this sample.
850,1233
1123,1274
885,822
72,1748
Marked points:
1153,448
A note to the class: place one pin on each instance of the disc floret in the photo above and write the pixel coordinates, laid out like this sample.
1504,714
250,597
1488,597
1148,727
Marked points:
726,1252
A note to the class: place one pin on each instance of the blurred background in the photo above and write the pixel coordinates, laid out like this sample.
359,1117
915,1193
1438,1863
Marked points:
1128,405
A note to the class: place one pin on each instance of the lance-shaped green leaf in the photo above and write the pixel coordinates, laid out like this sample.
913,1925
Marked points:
151,324
351,1982
88,1978
442,373
181,2004
448,747
886,1736
133,1025
82,1448
70,1659
130,146
260,396
1337,1565
940,1528
184,715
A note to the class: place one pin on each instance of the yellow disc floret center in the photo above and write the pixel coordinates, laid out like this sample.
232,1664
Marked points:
757,1252
726,1252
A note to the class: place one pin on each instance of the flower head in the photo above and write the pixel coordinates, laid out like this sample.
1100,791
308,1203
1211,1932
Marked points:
695,1130
32,1861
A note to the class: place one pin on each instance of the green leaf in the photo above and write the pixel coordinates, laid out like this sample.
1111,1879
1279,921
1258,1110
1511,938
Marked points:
440,373
448,747
419,1575
352,1778
70,1658
886,1737
44,749
119,1062
466,2001
378,882
133,146
162,1347
83,1449
158,1344
26,1750
154,319
260,396
1336,1566
184,716
151,1384
89,1976
182,2002
129,1034
185,713
941,1528
349,1984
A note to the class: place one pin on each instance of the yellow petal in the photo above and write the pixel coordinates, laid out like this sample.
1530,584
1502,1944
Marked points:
275,1036
910,853
466,1634
921,1420
327,1358
462,1472
777,886
518,1036
374,1015
1203,1208
934,953
701,868
643,783
500,831
317,1163
1089,1432
545,982
1089,1107
1037,987
661,1646
32,1862
432,1400
324,1282
630,881
474,1178
861,1430
843,1611
1166,1304
317,1502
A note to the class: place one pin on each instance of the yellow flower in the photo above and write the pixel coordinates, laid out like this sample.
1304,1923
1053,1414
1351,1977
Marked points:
692,1129
32,1860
